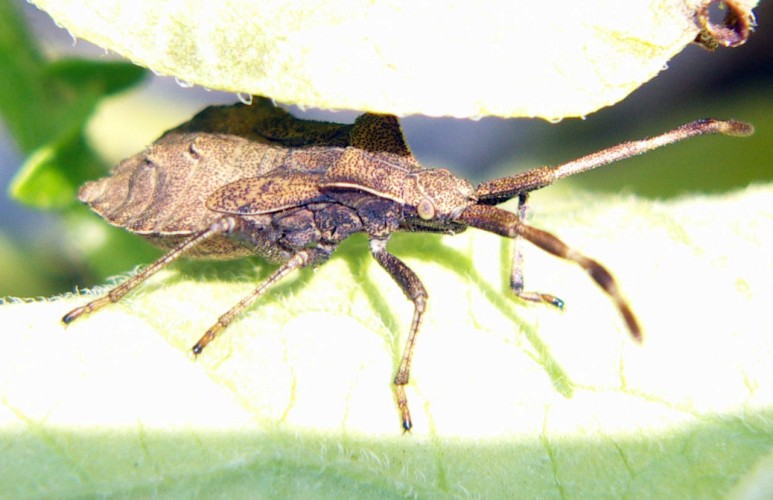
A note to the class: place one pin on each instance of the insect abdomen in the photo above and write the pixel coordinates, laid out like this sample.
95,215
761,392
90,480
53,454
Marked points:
163,191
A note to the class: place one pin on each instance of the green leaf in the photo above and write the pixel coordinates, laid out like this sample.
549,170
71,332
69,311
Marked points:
46,106
295,397
505,58
23,94
101,78
40,99
53,172
51,176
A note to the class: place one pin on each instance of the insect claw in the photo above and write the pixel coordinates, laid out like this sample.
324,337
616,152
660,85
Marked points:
402,404
545,298
552,300
73,315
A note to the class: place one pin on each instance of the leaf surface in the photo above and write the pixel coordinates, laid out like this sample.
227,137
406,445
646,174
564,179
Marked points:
465,59
295,397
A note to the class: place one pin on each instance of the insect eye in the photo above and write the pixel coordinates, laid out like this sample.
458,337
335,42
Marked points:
426,209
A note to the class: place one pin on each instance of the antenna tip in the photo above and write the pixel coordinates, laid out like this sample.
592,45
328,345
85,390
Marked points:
736,128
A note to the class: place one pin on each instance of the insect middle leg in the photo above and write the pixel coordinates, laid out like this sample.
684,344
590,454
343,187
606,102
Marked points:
220,226
416,293
300,259
516,273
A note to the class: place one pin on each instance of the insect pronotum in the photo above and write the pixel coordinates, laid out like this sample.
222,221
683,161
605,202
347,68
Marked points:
253,180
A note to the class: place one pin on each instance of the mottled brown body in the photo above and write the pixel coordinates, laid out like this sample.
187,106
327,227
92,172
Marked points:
243,180
162,192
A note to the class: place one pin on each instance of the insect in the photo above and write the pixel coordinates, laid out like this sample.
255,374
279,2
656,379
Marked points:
253,180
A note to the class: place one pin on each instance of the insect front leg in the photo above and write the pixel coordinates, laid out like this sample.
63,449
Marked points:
223,225
301,259
516,273
416,293
507,224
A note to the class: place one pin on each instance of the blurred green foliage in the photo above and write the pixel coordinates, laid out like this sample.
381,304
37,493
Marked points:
45,106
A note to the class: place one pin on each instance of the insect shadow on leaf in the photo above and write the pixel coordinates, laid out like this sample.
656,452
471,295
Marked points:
253,180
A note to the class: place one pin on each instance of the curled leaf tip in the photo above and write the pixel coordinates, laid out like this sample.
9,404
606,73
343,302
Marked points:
734,29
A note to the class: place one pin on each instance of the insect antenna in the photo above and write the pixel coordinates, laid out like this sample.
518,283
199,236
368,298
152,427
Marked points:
499,190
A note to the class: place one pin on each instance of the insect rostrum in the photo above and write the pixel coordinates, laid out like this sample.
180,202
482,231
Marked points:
245,180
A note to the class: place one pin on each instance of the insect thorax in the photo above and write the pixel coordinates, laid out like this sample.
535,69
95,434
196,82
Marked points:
278,235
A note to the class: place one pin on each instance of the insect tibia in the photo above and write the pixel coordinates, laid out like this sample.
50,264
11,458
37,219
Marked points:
222,225
299,260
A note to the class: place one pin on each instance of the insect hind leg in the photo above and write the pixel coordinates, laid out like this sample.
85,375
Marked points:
223,225
516,273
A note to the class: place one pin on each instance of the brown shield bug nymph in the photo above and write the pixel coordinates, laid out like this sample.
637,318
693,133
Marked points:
253,180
